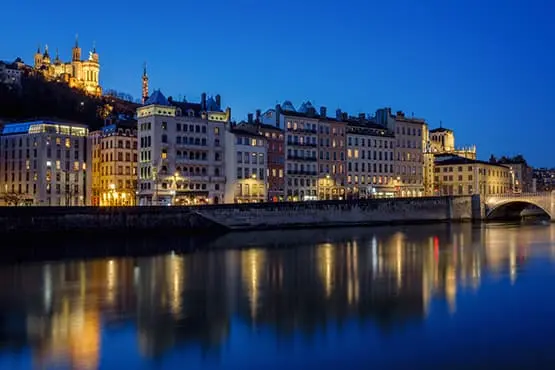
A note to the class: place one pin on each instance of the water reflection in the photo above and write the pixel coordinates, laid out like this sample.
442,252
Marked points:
289,283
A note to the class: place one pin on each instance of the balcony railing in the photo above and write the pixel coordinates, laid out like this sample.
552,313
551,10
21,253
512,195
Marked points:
304,145
304,173
303,130
301,158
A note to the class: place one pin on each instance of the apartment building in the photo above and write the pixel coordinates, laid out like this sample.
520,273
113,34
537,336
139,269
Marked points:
246,164
44,163
181,151
114,164
370,160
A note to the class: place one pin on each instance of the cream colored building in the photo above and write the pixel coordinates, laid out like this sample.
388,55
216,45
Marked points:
411,136
83,74
370,160
454,175
246,165
181,151
114,164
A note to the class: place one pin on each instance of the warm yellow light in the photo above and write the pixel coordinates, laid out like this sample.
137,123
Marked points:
112,186
253,176
176,174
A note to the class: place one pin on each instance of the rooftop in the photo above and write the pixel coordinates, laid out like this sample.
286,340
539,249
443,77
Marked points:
18,128
450,159
157,98
440,129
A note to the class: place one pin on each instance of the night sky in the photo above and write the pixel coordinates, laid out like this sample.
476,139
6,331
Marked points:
484,68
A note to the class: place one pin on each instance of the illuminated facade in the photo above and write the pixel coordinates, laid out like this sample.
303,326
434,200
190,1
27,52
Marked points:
10,73
43,163
370,161
442,141
332,169
181,151
456,175
276,158
411,136
246,165
82,74
114,164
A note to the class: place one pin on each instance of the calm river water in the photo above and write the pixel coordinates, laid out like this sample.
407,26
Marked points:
418,297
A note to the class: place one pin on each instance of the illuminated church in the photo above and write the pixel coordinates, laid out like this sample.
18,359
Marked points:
80,74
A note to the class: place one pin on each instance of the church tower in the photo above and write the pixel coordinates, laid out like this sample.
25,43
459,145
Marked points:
76,51
46,55
38,58
145,85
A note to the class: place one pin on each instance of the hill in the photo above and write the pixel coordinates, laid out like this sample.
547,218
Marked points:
38,98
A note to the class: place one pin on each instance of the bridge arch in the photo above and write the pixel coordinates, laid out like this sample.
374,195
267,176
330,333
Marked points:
512,208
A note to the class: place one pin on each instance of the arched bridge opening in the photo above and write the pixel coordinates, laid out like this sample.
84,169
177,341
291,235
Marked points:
516,210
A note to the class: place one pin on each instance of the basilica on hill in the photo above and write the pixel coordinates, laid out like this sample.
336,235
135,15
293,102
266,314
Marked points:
79,73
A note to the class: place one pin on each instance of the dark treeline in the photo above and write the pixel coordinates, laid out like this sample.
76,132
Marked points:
38,98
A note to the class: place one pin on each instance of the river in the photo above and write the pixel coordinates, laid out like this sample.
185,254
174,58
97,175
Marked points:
416,297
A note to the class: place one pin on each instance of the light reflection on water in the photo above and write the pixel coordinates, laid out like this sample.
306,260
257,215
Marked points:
364,297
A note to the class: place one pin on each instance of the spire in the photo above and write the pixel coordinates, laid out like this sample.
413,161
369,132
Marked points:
57,55
144,70
46,50
440,124
76,40
38,49
94,47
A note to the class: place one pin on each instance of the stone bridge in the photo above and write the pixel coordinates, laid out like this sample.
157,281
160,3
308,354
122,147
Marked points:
504,205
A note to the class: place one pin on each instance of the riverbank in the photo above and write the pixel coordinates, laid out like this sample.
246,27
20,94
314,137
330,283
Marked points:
235,217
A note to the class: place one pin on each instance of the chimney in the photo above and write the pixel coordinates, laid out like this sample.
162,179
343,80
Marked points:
219,101
258,114
228,113
278,115
203,101
323,112
400,114
338,114
249,118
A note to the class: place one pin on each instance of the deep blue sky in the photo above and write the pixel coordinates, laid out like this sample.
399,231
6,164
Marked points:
484,68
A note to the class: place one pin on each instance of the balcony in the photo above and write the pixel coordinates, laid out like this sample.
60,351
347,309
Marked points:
301,158
303,130
302,145
302,173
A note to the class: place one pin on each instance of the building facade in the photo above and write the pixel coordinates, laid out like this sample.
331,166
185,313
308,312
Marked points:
456,175
44,163
301,148
10,73
370,160
181,151
114,164
332,150
246,165
411,136
83,74
275,173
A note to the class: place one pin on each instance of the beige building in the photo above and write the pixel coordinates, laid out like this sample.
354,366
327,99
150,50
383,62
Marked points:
454,175
181,151
370,160
79,73
411,136
114,164
246,165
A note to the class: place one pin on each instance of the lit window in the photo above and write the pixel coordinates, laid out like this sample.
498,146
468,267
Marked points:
68,143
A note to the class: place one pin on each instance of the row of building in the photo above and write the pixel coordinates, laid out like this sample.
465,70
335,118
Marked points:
179,153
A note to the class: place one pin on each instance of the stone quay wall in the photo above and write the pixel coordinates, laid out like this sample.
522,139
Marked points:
229,217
